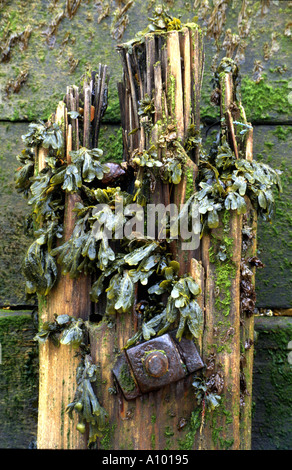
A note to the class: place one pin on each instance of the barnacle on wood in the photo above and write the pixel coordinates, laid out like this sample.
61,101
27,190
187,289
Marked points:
215,97
215,383
254,261
247,235
145,111
247,288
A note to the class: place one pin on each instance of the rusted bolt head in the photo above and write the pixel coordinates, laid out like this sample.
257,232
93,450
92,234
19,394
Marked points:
156,364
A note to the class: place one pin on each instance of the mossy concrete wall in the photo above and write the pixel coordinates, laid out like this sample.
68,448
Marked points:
273,145
18,380
272,384
13,212
46,45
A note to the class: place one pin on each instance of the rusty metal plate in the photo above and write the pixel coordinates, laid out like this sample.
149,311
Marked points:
125,378
188,352
164,366
155,363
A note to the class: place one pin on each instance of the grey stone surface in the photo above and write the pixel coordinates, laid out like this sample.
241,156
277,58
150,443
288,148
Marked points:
272,384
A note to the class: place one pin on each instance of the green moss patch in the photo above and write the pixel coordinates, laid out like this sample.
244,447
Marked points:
272,385
18,380
273,283
264,100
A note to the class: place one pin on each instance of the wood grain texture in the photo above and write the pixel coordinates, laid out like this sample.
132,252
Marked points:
221,338
247,322
57,376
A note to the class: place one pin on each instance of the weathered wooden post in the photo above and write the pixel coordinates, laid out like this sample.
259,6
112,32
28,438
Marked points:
221,337
58,364
69,296
247,304
159,100
162,80
228,333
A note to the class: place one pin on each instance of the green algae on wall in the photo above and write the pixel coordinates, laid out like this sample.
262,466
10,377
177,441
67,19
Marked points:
258,36
111,142
273,145
272,385
265,101
13,211
67,50
18,380
66,45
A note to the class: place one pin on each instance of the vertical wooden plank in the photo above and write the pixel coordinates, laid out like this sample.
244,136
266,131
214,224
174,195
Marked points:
74,106
197,66
141,138
57,377
161,194
86,114
158,91
247,326
221,339
249,145
187,76
150,60
174,82
227,99
247,344
197,271
42,153
191,86
135,123
179,94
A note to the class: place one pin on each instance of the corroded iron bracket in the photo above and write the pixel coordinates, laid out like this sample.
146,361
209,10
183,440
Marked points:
154,364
